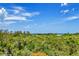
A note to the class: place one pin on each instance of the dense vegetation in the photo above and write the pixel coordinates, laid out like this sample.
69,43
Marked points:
27,44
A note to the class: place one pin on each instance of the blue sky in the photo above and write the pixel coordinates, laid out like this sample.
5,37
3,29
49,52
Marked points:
40,17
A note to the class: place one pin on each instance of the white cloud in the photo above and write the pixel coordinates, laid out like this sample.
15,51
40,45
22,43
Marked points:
18,8
16,11
13,15
27,14
65,11
64,4
10,22
30,14
5,16
6,23
11,18
73,18
3,12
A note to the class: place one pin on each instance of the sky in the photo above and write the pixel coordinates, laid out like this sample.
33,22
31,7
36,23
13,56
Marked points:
40,17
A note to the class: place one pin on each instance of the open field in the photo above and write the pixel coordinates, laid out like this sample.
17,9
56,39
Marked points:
27,44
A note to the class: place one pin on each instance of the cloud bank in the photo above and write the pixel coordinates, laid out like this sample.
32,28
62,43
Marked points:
15,14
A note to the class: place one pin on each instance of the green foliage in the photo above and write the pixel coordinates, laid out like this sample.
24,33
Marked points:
25,43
